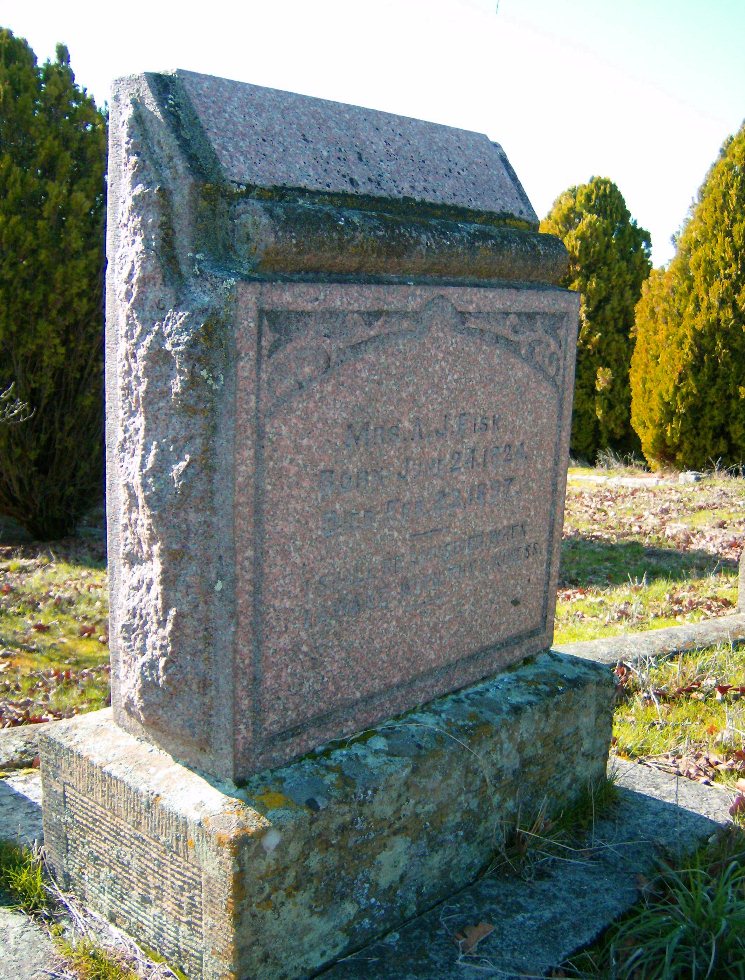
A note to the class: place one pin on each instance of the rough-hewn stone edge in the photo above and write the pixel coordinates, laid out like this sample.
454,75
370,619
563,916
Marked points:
324,855
660,643
741,587
143,841
285,238
169,442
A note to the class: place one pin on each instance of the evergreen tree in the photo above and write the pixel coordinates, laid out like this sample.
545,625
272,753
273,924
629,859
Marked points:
688,369
608,262
52,165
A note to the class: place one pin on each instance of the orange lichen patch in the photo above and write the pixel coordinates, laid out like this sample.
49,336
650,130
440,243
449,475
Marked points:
273,800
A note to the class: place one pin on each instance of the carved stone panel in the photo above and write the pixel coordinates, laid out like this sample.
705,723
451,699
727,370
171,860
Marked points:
400,473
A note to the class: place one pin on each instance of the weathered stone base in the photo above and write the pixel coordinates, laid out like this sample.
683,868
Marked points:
309,862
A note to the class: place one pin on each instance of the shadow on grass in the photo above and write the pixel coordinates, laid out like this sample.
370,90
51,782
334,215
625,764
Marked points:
601,563
87,547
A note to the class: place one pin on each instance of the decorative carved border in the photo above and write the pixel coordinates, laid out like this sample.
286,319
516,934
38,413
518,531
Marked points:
321,341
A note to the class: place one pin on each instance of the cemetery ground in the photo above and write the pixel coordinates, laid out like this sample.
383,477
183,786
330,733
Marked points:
638,553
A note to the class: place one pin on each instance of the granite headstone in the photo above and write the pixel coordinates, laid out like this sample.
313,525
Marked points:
339,376
336,482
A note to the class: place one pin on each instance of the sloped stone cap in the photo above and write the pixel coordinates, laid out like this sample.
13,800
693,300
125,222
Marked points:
270,139
269,184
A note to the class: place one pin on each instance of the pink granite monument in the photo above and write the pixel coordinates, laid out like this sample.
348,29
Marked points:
339,395
339,386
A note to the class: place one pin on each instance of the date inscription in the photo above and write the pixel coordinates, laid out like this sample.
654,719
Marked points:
410,485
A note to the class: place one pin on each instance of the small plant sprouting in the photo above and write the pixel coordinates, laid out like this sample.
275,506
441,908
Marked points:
690,922
21,875
545,836
609,459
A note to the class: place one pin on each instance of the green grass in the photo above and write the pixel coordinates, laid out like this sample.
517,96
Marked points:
689,924
53,630
22,877
637,558
90,961
592,612
686,712
696,926
52,612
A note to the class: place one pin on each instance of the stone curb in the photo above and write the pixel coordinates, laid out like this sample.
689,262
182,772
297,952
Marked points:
19,746
660,643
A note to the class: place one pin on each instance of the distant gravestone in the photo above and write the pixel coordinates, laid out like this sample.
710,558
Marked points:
339,378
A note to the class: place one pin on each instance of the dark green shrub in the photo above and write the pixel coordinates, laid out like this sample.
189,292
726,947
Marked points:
688,368
609,261
52,165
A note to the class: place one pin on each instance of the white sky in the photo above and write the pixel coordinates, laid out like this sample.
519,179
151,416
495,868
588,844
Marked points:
641,91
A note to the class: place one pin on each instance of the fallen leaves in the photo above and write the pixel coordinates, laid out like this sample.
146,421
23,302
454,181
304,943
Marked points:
51,694
702,767
682,602
723,689
468,940
708,517
697,690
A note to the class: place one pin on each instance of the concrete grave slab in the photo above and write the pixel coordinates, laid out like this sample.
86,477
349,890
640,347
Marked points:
20,808
540,922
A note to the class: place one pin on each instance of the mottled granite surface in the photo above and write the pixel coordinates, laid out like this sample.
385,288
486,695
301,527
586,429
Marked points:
400,476
331,497
267,138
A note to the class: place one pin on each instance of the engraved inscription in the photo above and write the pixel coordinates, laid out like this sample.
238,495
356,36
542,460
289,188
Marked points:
430,486
407,499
